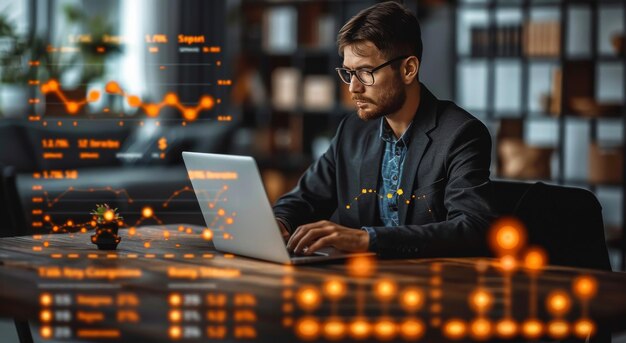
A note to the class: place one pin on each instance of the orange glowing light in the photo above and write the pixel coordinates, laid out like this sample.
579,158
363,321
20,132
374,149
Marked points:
584,328
411,299
175,299
558,302
480,329
385,289
558,329
308,328
45,316
146,245
480,300
221,212
93,96
207,234
385,329
359,329
112,87
334,329
454,329
532,329
134,101
45,299
507,236
132,231
175,316
147,212
171,99
109,215
334,289
361,266
175,332
508,263
411,329
506,328
585,286
45,332
535,259
308,297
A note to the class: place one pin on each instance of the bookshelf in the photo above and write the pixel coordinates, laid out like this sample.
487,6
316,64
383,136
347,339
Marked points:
549,81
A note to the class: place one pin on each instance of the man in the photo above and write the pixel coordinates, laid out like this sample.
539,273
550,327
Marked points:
408,177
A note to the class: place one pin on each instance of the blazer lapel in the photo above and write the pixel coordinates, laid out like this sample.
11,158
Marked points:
424,121
368,178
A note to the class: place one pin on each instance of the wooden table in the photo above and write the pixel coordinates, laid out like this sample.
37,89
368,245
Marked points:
168,282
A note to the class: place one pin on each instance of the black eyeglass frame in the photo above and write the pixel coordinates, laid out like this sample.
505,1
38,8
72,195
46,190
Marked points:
356,72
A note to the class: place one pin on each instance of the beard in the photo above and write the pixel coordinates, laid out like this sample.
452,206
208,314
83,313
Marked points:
389,102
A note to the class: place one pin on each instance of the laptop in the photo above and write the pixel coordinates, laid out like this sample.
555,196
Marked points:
236,209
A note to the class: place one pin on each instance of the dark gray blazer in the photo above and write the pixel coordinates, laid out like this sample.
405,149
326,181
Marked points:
445,182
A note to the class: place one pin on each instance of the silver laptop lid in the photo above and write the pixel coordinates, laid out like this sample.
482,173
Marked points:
235,206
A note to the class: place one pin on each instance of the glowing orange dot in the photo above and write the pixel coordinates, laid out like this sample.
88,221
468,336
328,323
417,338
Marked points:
166,234
45,89
558,329
532,329
147,212
46,244
411,299
585,286
206,102
508,237
411,329
361,266
535,259
175,316
133,101
94,95
46,218
308,297
109,215
112,87
359,329
308,328
334,329
71,107
506,328
53,85
454,329
480,300
93,223
385,289
181,228
189,230
584,328
83,229
229,221
55,228
385,329
171,99
190,114
175,299
480,329
45,299
558,302
152,110
132,231
175,332
45,316
335,289
207,234
221,212
46,332
508,263
146,245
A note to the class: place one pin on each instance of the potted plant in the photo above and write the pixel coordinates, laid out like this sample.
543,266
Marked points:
107,224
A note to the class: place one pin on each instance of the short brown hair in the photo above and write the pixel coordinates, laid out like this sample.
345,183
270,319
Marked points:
390,26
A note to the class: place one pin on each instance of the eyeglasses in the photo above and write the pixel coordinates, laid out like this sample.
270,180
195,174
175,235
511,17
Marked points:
365,76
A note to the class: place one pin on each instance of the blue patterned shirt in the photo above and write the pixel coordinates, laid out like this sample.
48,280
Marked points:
390,174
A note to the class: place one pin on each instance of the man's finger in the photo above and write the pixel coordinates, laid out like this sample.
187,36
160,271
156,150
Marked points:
301,231
321,243
311,236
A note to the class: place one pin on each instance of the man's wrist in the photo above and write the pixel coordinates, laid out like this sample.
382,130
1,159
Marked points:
373,242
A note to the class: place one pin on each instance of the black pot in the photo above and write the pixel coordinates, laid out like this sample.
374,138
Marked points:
106,237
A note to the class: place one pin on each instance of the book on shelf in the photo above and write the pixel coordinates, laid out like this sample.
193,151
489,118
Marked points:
606,163
542,38
503,41
280,29
318,92
285,86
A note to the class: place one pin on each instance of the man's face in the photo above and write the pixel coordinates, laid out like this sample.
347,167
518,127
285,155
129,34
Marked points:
386,96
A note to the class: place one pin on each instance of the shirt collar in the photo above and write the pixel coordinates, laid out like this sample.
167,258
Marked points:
387,135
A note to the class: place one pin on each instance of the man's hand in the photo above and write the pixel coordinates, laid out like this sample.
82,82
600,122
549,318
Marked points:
311,237
283,230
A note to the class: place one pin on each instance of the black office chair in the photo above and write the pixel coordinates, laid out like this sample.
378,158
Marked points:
565,221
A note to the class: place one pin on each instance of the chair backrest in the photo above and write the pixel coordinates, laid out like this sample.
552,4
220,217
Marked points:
11,212
565,221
